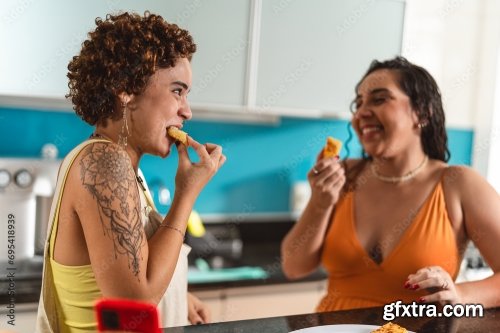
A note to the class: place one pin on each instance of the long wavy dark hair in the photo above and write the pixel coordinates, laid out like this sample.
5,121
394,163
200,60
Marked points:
425,99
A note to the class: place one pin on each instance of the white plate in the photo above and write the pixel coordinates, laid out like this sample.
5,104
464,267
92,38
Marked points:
339,329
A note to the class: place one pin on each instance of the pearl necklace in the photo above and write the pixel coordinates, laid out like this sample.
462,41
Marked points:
399,179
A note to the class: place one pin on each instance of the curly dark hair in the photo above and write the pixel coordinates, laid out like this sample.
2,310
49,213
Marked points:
120,55
425,98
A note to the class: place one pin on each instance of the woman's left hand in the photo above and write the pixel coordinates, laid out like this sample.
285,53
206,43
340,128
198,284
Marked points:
198,312
437,282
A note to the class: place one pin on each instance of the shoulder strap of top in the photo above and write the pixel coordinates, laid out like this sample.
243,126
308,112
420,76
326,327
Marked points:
145,189
441,181
61,181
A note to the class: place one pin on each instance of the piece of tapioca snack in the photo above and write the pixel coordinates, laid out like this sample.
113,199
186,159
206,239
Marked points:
332,147
177,134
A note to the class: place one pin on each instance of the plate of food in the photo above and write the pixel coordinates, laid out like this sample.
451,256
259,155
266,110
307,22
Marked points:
349,328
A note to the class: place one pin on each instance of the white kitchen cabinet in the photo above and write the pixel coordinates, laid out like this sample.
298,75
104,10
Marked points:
228,304
312,53
306,56
255,58
41,37
220,30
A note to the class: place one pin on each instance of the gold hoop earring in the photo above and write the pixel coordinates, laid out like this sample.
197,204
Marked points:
122,138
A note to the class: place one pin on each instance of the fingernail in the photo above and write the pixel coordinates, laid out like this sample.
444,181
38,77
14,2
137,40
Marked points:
407,284
421,300
415,286
337,157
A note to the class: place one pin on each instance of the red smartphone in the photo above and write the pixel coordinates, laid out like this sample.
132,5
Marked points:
121,315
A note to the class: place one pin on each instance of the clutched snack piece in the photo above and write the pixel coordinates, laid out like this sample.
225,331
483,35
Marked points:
332,147
390,328
177,134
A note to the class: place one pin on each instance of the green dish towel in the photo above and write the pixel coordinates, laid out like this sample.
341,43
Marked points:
226,274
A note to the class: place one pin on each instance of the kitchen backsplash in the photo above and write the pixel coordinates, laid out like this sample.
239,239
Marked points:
263,160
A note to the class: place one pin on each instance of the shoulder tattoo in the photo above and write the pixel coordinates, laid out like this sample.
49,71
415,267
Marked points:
106,172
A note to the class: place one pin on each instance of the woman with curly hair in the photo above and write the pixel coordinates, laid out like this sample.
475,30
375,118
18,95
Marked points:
131,81
394,224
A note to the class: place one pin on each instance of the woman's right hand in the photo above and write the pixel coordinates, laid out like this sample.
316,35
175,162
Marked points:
326,179
192,177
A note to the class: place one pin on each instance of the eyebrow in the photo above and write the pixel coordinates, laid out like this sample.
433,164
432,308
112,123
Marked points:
182,84
378,90
375,91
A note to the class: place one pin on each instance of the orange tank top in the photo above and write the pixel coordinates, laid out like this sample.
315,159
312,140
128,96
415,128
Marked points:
356,281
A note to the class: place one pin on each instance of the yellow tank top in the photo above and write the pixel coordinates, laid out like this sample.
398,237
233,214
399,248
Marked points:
75,286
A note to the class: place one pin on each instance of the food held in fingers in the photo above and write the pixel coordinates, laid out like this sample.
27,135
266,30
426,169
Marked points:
177,134
390,328
332,147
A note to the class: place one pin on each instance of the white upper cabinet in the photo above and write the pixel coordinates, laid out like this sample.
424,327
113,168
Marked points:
254,58
40,37
220,30
312,53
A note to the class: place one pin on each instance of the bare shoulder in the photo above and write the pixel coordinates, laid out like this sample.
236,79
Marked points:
103,162
105,152
471,191
463,179
101,172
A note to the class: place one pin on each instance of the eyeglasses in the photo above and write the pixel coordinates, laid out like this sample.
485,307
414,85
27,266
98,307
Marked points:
353,108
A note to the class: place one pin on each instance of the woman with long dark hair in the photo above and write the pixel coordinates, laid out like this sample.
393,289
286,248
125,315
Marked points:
394,224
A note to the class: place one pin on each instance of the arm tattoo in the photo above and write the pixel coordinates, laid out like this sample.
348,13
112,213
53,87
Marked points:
107,174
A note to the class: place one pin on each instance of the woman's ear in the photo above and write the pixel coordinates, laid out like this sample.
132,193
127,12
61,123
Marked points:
424,118
420,121
423,123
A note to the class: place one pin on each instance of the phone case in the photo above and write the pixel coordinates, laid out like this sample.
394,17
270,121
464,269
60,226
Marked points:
126,315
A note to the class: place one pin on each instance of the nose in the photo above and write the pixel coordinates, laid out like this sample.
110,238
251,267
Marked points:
185,110
362,112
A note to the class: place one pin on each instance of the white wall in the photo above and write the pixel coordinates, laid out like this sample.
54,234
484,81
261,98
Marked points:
458,42
492,156
487,124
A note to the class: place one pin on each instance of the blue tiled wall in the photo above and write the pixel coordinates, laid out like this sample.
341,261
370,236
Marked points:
263,161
